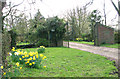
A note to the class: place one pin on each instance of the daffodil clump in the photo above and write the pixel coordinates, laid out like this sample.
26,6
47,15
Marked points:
31,59
41,49
9,72
79,39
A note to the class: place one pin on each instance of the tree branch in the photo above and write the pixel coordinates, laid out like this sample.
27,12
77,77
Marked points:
11,9
116,7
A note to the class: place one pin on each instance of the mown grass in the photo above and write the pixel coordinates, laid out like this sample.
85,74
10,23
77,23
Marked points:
111,45
84,42
68,62
21,43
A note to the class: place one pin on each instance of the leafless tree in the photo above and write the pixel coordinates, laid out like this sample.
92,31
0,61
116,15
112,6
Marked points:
117,9
104,13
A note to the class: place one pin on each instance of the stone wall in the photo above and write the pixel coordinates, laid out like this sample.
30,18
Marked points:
103,34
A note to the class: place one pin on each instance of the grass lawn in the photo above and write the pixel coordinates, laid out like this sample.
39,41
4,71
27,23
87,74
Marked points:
83,42
21,43
92,43
111,46
68,62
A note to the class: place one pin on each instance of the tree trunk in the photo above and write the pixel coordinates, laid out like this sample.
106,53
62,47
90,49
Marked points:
2,4
0,34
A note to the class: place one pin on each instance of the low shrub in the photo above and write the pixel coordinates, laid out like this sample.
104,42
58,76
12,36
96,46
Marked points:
31,59
42,42
79,39
117,37
8,72
41,49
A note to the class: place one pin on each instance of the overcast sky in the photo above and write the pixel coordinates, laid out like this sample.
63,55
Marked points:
59,7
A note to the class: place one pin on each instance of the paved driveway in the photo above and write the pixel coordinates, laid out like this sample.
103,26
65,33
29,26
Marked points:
110,53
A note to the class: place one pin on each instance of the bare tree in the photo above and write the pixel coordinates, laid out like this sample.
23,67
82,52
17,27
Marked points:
2,4
78,22
117,9
104,13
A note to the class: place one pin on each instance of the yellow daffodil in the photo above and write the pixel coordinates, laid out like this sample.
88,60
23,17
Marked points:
42,46
17,64
44,66
4,73
1,67
20,67
36,53
36,56
23,56
16,53
25,52
20,58
33,62
31,54
25,59
21,53
44,57
13,48
25,62
41,55
30,64
76,38
27,55
30,58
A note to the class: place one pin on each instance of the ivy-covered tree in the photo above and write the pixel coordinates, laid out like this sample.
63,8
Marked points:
56,29
94,18
36,24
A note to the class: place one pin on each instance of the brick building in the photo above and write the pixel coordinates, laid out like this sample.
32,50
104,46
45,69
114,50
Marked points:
103,34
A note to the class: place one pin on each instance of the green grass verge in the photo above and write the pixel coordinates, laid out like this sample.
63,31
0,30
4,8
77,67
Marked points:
22,43
111,46
92,43
84,42
68,62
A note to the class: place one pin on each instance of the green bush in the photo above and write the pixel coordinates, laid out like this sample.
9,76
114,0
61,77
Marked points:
29,59
13,35
79,39
42,42
41,49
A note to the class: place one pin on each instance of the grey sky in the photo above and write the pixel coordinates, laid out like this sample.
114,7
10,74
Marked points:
59,7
